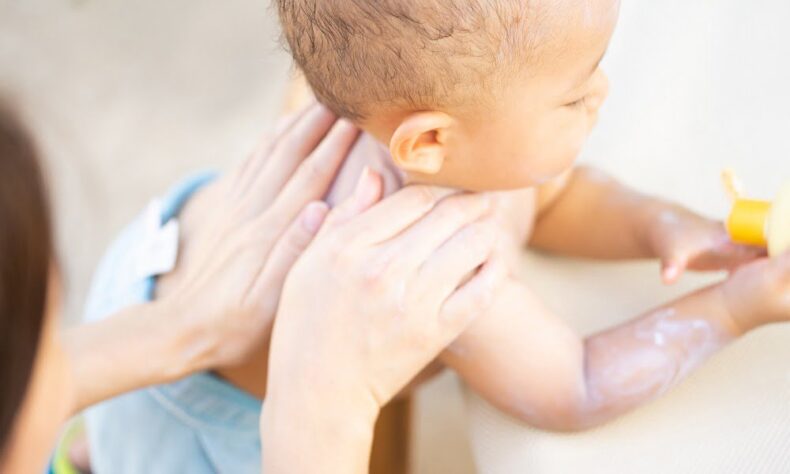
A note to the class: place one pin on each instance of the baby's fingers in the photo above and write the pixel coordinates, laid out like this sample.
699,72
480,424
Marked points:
781,265
726,255
723,255
778,275
675,257
731,255
672,268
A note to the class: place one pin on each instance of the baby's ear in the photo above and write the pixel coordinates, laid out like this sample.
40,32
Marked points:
418,143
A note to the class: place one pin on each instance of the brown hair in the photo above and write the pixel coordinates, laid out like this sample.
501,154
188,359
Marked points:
25,257
414,54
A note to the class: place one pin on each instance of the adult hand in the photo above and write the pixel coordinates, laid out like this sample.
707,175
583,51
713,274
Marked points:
240,238
262,216
378,294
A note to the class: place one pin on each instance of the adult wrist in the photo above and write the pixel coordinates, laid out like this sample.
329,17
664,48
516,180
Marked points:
316,430
311,397
141,345
186,345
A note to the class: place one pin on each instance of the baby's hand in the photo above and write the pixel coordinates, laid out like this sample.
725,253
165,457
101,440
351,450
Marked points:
684,240
759,293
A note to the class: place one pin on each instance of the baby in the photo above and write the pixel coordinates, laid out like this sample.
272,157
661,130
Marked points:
499,95
488,95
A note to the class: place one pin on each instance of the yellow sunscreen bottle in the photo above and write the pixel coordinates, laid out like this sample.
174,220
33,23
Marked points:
758,223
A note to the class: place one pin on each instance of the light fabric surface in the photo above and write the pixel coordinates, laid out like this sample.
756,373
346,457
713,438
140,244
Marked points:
696,86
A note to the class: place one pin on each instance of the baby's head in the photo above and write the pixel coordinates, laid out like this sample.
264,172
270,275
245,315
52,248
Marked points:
474,94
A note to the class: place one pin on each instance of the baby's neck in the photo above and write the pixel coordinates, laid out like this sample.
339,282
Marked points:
383,155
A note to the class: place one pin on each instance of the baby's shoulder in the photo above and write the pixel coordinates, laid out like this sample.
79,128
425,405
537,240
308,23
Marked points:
517,211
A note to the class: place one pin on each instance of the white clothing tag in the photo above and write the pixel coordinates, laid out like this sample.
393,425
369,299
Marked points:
158,251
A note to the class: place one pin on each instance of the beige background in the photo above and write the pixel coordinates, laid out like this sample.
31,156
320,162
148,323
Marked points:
128,96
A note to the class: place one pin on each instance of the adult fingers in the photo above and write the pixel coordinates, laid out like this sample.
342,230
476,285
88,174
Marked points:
474,298
268,285
367,192
456,259
420,240
315,175
397,212
254,164
292,147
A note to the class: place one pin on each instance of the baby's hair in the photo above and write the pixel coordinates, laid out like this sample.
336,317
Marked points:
411,54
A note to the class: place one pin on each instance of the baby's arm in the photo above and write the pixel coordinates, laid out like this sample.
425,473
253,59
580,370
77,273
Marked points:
587,203
589,214
524,359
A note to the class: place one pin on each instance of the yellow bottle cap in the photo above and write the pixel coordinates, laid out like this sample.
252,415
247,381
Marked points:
747,222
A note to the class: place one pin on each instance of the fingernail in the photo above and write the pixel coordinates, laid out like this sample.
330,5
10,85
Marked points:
671,272
491,276
491,279
362,184
345,123
314,215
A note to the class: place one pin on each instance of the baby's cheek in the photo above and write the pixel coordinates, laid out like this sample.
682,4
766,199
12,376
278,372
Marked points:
569,144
